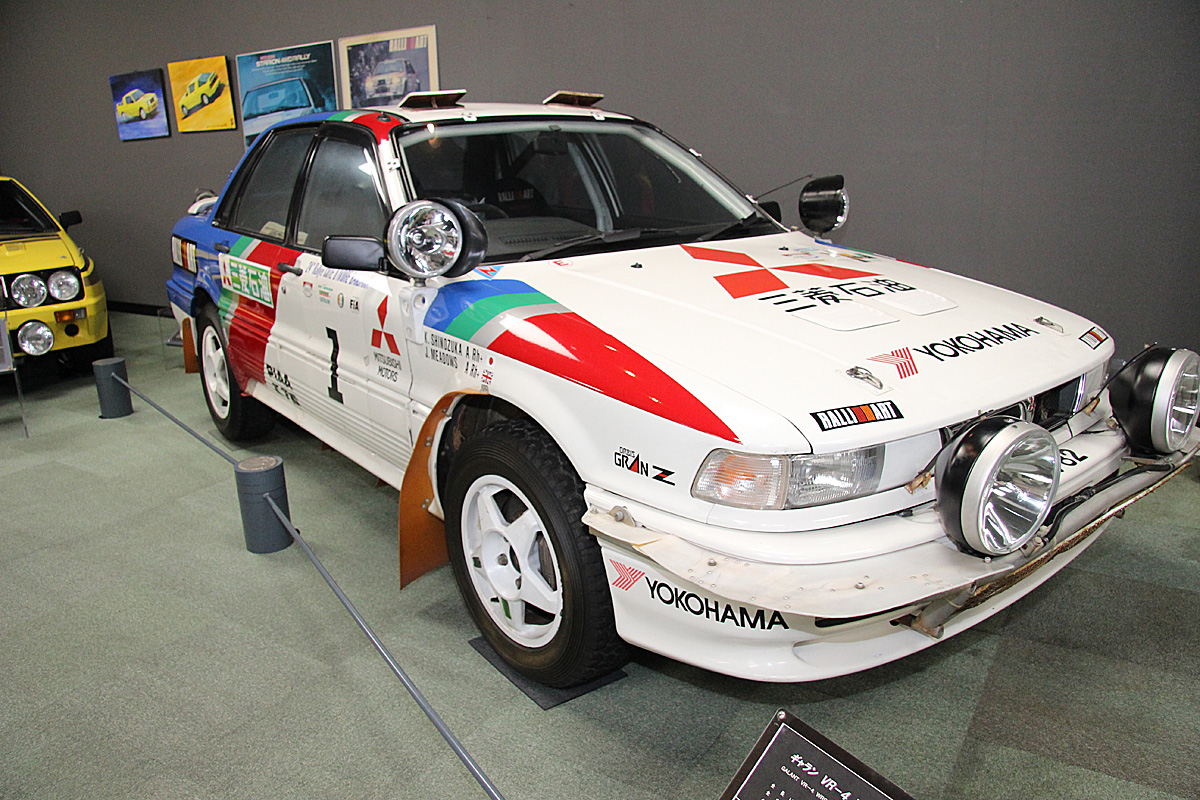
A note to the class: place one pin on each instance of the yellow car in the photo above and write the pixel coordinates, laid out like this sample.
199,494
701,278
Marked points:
50,294
200,92
137,103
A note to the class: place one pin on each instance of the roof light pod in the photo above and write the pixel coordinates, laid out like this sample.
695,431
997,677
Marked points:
996,483
1156,398
427,238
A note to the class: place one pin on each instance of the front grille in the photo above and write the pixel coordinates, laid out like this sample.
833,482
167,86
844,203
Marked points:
1049,409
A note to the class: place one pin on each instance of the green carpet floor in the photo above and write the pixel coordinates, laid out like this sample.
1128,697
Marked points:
144,653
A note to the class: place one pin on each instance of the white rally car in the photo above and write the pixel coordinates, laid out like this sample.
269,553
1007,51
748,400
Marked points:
646,411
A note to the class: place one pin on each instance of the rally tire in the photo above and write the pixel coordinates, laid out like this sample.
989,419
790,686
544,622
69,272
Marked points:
530,572
237,416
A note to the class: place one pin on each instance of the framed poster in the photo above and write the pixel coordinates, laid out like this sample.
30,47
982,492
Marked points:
138,103
380,68
276,85
200,89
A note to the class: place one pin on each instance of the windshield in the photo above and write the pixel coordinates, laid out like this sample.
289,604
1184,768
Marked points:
546,186
20,214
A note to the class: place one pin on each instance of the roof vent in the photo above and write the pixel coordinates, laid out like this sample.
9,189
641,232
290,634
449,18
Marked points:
446,99
578,99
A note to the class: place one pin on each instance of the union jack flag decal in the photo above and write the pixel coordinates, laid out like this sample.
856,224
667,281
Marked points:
902,359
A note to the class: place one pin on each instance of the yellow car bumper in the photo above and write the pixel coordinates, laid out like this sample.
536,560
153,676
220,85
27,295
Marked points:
75,324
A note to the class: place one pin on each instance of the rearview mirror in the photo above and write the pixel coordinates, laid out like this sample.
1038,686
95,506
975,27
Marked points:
352,252
824,204
69,218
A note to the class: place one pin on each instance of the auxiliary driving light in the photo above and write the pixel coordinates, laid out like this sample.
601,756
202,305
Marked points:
427,239
1157,397
35,338
996,483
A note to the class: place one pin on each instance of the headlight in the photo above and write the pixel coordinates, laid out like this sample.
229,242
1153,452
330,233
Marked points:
1156,399
746,480
35,338
64,285
28,291
995,485
427,239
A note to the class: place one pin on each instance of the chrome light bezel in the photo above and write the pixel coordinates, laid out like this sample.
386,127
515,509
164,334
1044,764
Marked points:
35,338
25,287
428,239
1156,398
64,285
996,484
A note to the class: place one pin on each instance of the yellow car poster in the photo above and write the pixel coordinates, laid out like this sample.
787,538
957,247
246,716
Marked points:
201,97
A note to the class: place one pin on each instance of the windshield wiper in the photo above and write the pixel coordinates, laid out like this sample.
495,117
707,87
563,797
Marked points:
606,237
743,225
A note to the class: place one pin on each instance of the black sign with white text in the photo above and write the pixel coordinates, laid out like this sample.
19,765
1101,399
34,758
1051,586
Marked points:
792,761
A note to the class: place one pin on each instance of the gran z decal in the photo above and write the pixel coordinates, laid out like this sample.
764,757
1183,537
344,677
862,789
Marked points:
628,459
857,415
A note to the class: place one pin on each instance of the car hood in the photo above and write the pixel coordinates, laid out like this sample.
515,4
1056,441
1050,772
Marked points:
35,252
786,323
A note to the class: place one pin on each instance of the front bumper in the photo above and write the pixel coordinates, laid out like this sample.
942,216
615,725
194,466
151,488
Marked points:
87,329
802,621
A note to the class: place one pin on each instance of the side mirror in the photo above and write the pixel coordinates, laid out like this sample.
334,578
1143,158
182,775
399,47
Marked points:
428,238
69,218
824,204
352,252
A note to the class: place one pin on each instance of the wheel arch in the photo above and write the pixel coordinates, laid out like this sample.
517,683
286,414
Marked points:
457,418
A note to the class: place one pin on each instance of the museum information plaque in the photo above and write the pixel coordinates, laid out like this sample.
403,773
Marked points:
791,761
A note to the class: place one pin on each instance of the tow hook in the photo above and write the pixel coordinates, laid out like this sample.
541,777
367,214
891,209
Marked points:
931,621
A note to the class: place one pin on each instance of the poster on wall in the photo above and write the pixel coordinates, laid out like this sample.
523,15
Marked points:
138,102
380,68
200,89
276,85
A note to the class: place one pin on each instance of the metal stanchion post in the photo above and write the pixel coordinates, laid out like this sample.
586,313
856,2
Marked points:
114,397
256,477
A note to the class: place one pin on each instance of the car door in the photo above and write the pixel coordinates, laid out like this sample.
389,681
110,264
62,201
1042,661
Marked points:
324,344
250,238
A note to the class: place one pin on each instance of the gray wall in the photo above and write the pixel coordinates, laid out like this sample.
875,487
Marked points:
1053,148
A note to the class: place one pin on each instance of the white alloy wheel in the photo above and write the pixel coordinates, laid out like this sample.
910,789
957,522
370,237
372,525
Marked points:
215,371
511,561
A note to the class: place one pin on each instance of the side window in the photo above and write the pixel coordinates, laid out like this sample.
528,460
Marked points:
342,195
265,196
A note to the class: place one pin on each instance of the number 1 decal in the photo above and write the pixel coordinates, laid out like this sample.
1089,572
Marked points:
334,392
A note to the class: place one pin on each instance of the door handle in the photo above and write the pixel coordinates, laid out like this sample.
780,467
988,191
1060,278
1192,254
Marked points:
283,266
221,247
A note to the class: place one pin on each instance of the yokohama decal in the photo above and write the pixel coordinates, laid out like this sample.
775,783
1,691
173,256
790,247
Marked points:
761,279
902,359
714,610
626,576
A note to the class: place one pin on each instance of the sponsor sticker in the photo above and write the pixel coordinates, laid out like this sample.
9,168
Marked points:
847,416
632,461
1094,338
252,281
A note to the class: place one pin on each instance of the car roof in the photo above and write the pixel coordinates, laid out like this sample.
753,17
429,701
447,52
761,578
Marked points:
468,111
